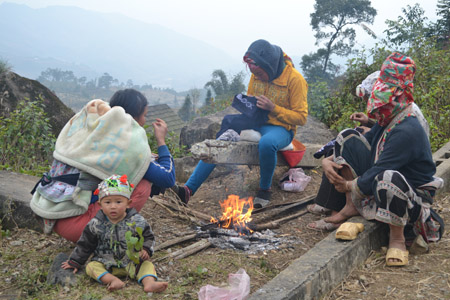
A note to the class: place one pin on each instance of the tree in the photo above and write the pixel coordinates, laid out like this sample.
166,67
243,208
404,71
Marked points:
57,75
442,26
4,66
221,87
129,83
208,98
105,81
312,66
405,31
185,111
237,85
219,83
338,16
195,95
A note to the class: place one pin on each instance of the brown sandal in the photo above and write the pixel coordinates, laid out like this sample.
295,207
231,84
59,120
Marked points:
321,225
316,209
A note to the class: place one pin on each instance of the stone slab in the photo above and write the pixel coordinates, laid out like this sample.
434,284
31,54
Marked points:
324,266
442,159
245,153
15,199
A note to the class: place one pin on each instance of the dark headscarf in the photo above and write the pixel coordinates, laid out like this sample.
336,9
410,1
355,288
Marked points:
267,56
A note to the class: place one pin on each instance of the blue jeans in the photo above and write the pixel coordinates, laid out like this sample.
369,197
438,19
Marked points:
273,138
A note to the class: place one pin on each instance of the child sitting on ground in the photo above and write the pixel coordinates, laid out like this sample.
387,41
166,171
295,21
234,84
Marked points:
104,236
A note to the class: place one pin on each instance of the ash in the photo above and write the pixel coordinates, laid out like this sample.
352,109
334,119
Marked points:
252,243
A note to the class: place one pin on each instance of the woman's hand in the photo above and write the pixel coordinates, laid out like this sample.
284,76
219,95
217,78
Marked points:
160,128
364,129
360,117
65,265
264,103
330,170
143,254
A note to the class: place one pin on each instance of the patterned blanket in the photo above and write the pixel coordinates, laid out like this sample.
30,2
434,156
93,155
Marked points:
100,141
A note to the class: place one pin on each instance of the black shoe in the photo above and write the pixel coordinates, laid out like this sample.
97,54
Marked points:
183,192
262,198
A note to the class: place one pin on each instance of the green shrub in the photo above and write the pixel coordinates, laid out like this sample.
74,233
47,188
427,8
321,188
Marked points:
216,105
334,107
4,67
26,139
172,142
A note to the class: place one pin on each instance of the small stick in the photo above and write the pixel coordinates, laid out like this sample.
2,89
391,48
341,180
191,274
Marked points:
295,205
275,223
191,249
184,209
194,250
178,240
304,200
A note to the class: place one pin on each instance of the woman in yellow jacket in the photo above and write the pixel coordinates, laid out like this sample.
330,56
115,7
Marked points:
279,89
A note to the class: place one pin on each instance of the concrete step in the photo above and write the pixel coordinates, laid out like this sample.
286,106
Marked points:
245,153
15,199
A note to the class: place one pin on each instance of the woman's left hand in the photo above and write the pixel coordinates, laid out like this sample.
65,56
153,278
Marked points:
264,103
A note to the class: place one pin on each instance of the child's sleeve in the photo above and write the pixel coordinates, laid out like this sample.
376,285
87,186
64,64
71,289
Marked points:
84,248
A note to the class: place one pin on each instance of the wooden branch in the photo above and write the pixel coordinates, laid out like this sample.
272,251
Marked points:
189,250
175,241
276,223
184,209
293,206
274,206
194,250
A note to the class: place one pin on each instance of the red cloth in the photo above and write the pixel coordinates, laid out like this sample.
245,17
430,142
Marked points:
72,228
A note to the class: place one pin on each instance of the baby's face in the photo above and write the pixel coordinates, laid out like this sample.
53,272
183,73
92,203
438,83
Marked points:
114,207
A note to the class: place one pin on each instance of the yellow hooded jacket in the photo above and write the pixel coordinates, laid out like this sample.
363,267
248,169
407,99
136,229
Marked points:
289,94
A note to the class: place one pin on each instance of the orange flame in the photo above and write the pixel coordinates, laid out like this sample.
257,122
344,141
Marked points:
233,214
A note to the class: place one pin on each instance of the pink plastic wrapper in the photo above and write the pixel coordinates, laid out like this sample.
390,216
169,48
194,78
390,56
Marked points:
294,180
238,289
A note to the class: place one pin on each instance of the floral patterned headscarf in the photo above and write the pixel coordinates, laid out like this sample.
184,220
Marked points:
114,185
393,89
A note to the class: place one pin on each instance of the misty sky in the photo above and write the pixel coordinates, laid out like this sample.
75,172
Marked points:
232,25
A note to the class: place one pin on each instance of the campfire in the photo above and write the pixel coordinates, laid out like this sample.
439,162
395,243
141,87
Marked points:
236,214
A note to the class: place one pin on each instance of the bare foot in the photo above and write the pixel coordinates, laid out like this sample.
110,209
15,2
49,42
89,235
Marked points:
345,213
115,284
153,286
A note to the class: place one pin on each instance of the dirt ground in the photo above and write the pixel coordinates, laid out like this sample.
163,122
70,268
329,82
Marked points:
26,256
426,277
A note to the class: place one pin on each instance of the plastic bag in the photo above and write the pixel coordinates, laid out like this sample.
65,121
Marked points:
250,135
294,180
239,288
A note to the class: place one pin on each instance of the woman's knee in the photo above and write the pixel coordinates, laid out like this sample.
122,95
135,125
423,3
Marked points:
392,192
141,194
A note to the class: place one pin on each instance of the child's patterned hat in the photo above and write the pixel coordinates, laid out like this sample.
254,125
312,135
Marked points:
114,185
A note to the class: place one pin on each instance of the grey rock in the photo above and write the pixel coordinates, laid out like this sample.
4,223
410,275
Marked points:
419,246
57,275
203,128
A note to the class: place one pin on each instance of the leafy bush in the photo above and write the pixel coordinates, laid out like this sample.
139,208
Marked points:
215,105
26,139
430,89
171,141
4,67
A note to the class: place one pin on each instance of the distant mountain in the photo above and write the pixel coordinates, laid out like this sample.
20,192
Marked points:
90,43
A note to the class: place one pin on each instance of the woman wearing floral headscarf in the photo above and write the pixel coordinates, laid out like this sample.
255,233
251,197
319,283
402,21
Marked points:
387,174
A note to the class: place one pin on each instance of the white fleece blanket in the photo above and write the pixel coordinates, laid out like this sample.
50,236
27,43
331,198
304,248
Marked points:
101,141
